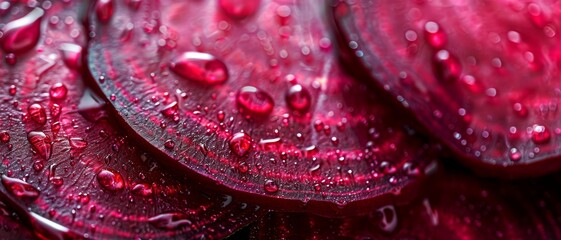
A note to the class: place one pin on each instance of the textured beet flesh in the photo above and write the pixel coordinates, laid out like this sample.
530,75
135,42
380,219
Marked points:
457,207
67,172
256,103
482,76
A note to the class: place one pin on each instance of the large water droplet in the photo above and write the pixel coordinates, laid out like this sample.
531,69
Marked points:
255,101
40,143
298,98
169,221
239,8
110,180
104,10
200,67
22,34
240,143
19,188
58,91
37,113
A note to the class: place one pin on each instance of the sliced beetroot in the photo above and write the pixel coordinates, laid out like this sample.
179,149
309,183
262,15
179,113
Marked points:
256,103
483,77
68,172
456,207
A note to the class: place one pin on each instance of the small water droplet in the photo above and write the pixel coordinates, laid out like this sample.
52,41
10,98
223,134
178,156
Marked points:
37,113
170,110
104,10
169,221
239,8
13,90
169,144
40,143
19,188
78,143
4,136
270,186
255,101
142,189
540,134
446,66
58,91
298,98
514,154
110,180
200,67
22,34
434,35
240,144
11,59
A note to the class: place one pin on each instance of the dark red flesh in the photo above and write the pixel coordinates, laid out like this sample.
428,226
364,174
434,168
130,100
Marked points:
257,105
481,76
67,171
457,206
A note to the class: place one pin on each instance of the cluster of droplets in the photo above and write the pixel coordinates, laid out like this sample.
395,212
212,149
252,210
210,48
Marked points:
449,69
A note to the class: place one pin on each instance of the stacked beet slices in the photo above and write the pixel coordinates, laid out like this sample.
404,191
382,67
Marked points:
204,119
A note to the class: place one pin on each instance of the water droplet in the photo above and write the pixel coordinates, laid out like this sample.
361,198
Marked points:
239,8
78,143
255,101
142,189
71,55
240,144
55,110
110,180
4,137
388,221
104,10
169,221
169,144
22,34
520,110
13,90
170,110
37,113
446,66
200,67
40,143
298,98
270,186
514,154
58,91
11,59
19,188
434,35
540,134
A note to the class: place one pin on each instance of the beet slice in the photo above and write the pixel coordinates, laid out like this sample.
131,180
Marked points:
481,76
456,207
255,104
67,170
